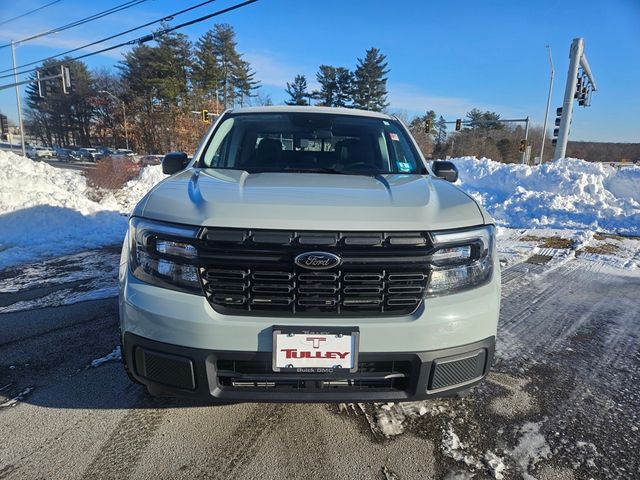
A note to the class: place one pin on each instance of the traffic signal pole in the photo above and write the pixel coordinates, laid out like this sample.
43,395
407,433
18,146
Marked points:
577,59
15,79
577,48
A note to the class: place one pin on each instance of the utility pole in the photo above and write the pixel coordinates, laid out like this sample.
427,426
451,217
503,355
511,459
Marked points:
15,78
526,139
546,112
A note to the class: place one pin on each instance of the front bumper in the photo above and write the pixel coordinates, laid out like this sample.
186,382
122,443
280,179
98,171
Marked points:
218,375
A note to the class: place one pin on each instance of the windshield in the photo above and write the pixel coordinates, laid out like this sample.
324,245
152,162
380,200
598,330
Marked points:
311,142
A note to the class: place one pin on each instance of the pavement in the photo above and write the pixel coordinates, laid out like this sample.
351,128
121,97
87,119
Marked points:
562,401
72,165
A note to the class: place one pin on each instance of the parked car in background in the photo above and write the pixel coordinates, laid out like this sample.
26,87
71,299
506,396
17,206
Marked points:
90,154
67,155
146,160
107,151
126,152
40,152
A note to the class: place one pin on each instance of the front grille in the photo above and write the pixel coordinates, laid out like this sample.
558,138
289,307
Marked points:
253,272
314,292
258,375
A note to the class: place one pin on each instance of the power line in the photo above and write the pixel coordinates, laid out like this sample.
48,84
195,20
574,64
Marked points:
155,35
28,13
166,18
82,21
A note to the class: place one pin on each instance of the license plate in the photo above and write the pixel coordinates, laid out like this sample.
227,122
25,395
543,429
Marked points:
309,350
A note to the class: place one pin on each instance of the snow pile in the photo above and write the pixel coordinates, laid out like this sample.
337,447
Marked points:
135,189
47,211
567,193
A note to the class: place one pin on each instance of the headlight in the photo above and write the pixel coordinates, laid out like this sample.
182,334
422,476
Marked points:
463,259
164,254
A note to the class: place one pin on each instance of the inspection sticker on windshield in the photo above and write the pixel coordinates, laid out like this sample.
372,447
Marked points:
403,166
394,137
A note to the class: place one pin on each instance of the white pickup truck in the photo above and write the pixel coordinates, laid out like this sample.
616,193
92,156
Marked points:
308,254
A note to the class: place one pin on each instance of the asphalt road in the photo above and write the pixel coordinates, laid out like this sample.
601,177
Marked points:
562,402
73,165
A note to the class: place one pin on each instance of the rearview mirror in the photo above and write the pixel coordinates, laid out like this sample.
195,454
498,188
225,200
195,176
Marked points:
446,170
174,162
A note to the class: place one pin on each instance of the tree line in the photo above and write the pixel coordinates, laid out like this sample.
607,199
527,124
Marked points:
160,85
160,88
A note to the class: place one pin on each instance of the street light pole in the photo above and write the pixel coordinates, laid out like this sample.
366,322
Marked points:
546,113
124,115
15,77
126,132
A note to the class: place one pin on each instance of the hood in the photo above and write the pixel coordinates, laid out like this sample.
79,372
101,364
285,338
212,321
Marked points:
309,201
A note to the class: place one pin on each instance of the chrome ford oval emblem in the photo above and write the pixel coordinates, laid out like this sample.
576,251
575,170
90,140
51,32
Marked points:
317,260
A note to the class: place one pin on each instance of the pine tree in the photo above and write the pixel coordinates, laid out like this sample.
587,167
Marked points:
336,86
173,64
229,61
244,82
326,77
370,82
207,73
344,87
297,91
441,130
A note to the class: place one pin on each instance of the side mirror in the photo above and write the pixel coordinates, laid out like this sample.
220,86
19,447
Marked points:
174,162
446,170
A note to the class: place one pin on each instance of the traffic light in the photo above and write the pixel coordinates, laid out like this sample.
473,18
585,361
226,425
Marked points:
4,124
427,126
66,79
205,116
578,91
458,124
39,84
556,131
523,145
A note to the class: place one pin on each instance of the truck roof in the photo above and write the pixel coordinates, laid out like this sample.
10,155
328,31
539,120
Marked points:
312,109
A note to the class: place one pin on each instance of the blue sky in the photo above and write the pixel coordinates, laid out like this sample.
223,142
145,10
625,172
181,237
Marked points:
445,56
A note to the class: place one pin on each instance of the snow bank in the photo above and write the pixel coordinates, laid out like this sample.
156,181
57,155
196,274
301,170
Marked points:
567,193
47,211
135,189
